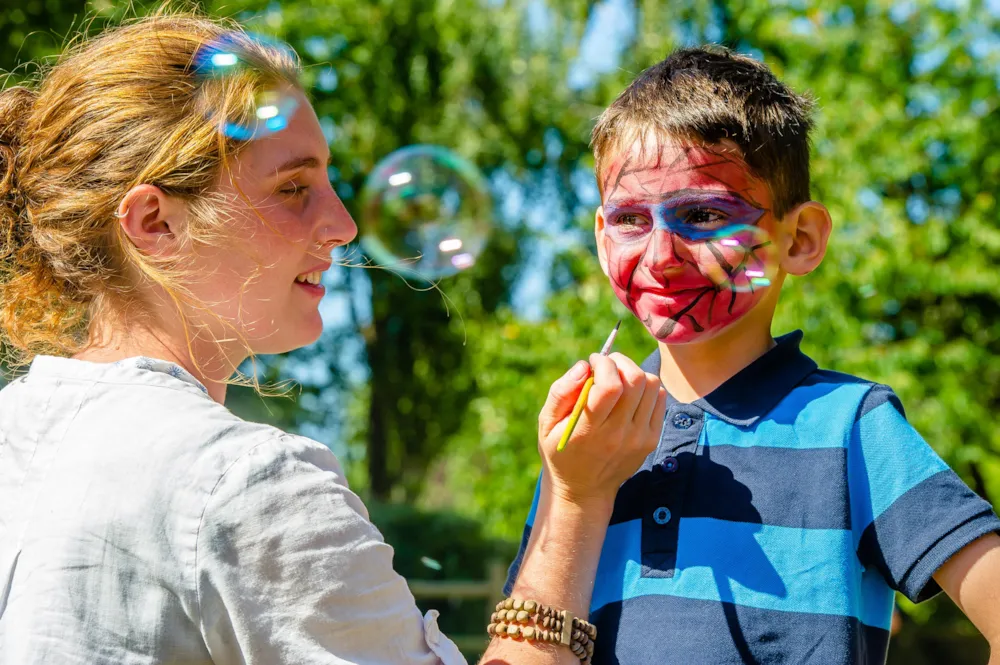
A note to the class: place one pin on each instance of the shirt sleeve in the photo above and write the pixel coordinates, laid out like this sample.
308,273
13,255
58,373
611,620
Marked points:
909,511
515,566
290,570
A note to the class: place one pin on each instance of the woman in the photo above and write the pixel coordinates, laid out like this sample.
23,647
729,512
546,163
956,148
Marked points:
147,251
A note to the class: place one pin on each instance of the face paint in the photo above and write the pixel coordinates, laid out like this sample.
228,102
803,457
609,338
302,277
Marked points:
686,240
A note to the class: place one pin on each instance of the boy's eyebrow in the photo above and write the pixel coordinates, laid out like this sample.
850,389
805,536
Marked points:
700,194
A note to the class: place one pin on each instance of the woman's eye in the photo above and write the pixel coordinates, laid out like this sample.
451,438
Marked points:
292,189
703,217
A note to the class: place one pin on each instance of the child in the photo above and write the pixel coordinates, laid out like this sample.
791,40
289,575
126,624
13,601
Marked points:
784,504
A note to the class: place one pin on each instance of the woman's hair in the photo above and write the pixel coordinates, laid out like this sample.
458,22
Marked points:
129,106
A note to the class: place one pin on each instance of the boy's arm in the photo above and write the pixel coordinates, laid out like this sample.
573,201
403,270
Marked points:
972,579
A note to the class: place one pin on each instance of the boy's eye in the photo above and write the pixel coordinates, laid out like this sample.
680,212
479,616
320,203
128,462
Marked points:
703,217
629,222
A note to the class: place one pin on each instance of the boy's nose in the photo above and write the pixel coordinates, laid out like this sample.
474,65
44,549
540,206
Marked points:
662,253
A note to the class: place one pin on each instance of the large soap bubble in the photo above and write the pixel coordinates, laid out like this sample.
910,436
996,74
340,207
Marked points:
739,258
273,105
425,211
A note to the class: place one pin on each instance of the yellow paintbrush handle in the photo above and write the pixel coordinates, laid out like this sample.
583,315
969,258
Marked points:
577,410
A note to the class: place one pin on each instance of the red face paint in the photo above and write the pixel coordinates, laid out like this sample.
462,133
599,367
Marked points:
686,239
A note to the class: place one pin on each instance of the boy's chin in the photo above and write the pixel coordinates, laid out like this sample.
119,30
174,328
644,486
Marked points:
675,333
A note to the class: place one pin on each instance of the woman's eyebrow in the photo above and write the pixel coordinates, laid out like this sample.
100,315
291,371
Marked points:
296,163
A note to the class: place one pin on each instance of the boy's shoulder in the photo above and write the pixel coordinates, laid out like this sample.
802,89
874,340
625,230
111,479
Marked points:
868,394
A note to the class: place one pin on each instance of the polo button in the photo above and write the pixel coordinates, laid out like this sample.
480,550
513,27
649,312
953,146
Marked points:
682,421
670,464
661,515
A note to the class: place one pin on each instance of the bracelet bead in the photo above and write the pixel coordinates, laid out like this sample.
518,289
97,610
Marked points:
519,619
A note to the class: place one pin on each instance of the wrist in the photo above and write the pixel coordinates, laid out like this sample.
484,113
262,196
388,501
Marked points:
569,502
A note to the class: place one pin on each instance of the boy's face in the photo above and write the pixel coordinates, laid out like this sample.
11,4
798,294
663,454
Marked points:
661,240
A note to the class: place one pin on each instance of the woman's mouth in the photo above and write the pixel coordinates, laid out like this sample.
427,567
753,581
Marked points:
310,283
310,278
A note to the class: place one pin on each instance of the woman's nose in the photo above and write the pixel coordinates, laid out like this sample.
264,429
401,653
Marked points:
334,226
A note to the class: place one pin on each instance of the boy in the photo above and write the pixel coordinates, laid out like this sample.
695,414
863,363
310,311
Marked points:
784,504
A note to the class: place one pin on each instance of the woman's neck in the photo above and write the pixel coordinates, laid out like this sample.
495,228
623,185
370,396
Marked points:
211,367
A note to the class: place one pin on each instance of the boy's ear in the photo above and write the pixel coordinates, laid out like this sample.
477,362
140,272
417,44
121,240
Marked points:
602,252
807,228
151,219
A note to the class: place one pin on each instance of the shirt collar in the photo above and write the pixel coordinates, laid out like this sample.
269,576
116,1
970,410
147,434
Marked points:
137,369
757,388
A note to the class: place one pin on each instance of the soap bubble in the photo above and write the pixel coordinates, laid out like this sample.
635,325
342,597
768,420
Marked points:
739,258
425,211
273,105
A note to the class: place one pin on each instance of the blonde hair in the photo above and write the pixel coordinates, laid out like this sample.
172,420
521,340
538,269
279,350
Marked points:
121,109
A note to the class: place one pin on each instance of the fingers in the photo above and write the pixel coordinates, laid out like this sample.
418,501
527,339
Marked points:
562,397
644,410
659,411
633,388
608,387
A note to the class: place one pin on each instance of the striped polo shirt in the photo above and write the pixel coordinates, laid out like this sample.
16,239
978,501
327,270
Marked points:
774,522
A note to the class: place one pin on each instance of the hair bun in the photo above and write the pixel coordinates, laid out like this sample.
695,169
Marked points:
15,106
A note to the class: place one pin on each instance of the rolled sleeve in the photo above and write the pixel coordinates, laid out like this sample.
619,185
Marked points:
910,512
290,569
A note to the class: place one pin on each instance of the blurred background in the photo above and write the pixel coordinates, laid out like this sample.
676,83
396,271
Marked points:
430,397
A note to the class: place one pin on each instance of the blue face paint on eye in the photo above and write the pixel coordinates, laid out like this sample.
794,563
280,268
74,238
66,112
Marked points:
693,215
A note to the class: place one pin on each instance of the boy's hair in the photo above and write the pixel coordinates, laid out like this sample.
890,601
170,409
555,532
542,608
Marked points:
710,93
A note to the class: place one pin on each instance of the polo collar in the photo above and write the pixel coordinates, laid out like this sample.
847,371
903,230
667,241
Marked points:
757,388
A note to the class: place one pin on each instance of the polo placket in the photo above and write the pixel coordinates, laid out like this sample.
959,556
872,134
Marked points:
664,494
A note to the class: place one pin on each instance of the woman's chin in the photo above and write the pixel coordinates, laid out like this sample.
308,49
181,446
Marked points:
290,337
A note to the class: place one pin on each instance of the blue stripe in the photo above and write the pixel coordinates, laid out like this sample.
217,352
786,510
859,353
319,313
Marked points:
534,503
806,418
887,458
665,630
786,569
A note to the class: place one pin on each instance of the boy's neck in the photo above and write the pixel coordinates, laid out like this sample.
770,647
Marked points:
691,371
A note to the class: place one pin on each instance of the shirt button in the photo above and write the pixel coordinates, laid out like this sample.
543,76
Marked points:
670,464
682,421
661,515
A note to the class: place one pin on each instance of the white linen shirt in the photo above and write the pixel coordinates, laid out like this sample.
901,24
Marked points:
143,523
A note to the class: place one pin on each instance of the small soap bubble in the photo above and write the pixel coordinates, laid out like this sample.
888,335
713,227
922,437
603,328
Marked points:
233,55
740,258
425,211
433,564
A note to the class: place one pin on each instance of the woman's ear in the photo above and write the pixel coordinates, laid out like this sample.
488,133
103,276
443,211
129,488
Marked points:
807,230
152,220
602,250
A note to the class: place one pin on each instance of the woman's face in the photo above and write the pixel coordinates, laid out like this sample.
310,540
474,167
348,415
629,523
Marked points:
280,220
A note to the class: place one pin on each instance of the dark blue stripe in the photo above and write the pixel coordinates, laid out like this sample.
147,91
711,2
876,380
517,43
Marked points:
922,529
666,630
805,488
878,396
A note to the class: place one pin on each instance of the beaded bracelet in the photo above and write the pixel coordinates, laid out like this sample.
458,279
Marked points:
512,619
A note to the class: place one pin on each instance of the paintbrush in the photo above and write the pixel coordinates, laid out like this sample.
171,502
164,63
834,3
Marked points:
582,400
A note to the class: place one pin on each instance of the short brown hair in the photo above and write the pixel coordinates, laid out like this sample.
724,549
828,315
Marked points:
710,93
123,108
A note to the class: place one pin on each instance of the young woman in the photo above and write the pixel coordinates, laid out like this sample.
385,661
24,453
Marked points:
145,251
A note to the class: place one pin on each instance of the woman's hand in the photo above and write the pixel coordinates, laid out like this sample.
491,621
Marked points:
617,430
